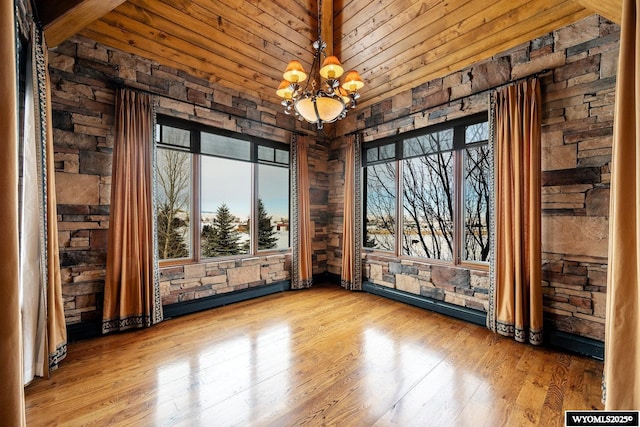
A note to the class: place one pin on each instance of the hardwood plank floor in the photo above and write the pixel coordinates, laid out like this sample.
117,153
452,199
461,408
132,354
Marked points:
323,356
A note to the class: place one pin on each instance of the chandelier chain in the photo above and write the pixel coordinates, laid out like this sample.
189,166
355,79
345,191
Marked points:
319,19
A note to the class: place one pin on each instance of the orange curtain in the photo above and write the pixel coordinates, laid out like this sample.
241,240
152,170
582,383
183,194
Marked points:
517,291
351,273
12,396
131,292
302,251
622,328
56,337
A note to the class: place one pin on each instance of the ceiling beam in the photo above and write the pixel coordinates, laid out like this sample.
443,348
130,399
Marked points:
326,24
610,9
65,18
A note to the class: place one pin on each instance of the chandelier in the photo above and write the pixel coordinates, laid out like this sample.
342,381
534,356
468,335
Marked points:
325,101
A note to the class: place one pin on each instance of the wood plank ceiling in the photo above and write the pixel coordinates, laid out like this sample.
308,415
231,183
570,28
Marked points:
245,45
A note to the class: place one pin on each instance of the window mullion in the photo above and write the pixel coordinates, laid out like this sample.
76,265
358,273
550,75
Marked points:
196,204
399,207
253,220
458,219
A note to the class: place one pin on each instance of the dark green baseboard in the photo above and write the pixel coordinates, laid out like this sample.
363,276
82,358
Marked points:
188,307
463,313
574,343
86,330
553,338
82,331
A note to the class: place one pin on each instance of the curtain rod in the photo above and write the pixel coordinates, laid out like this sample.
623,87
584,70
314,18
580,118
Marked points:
119,85
494,88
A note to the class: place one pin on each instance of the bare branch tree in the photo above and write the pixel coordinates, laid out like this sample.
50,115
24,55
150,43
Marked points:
381,206
174,179
477,199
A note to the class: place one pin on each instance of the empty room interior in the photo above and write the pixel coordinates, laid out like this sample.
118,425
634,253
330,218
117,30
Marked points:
319,212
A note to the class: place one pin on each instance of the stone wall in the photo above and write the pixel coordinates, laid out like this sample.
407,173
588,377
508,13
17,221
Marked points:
192,281
577,66
84,78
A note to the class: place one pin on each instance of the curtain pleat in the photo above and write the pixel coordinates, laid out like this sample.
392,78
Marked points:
43,322
132,293
56,336
622,326
12,395
517,291
302,265
351,272
32,272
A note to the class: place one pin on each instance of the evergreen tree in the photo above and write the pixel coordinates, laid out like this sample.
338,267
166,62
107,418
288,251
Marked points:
208,241
221,239
266,234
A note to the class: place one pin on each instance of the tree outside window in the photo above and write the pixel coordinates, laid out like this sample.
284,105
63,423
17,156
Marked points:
444,193
173,207
211,186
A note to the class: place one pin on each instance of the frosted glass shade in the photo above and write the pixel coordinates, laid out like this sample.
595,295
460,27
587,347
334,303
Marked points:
328,109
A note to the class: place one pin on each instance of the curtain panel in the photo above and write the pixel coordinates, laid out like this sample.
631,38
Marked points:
351,272
12,396
516,289
56,336
621,387
43,321
132,291
302,230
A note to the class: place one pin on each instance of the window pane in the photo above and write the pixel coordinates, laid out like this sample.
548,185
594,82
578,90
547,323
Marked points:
429,143
265,153
427,186
273,207
225,206
476,204
282,157
383,152
175,136
380,215
388,152
476,133
220,145
371,155
173,189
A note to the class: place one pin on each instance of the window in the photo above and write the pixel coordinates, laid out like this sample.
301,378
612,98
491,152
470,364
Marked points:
219,181
427,193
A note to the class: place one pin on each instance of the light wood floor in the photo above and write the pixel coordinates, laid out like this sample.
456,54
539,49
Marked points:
323,356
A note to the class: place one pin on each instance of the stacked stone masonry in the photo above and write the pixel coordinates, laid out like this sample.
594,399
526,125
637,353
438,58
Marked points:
192,281
84,78
577,67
